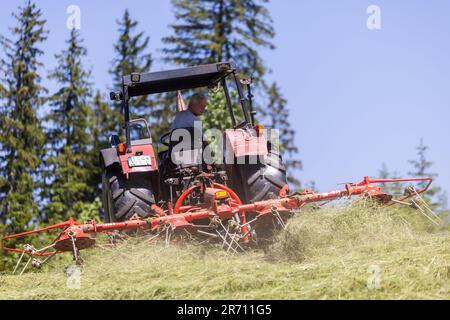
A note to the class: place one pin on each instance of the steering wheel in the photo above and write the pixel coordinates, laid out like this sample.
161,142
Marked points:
165,139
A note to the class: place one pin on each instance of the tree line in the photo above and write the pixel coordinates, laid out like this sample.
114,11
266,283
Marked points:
49,142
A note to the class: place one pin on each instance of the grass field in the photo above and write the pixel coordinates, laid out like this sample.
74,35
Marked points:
356,252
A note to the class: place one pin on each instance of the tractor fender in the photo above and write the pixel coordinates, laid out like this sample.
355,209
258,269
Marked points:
109,157
240,143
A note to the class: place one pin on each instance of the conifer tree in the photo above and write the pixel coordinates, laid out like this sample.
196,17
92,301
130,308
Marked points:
421,168
69,136
163,113
22,137
103,124
208,31
131,55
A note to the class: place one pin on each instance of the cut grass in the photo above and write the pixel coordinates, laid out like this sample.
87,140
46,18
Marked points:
357,252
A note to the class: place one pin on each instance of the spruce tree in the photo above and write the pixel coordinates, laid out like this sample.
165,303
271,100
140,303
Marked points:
22,137
278,117
421,168
68,135
163,113
208,31
131,55
103,124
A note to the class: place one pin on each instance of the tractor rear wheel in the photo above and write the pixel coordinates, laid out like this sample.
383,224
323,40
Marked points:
123,198
262,181
265,179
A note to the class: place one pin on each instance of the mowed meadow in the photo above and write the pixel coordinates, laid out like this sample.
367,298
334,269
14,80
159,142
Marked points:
360,251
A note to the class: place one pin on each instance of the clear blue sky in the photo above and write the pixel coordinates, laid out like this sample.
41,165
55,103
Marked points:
358,97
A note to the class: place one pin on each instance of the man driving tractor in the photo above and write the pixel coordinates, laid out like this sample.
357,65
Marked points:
187,118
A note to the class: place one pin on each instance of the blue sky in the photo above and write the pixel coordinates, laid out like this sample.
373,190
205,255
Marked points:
357,97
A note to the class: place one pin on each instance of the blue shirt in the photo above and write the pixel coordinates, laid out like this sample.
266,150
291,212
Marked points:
184,119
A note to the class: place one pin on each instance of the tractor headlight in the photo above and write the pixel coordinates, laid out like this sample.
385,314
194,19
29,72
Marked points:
135,77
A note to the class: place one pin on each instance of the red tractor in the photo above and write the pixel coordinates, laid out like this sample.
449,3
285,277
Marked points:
137,182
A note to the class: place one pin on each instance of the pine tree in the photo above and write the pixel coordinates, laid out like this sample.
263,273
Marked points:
278,115
163,114
22,137
68,135
421,168
208,31
130,56
103,124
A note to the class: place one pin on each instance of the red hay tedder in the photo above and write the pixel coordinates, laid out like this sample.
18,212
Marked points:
239,203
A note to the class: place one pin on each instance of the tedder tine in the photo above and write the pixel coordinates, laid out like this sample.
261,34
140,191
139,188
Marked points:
26,265
18,262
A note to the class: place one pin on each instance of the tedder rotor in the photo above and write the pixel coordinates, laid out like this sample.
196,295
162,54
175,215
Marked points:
176,193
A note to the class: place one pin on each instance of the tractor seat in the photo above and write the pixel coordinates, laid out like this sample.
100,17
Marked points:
184,149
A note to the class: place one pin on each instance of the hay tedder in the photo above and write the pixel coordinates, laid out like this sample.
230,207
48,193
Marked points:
175,194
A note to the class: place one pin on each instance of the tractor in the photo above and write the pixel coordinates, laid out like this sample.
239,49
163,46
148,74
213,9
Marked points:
137,181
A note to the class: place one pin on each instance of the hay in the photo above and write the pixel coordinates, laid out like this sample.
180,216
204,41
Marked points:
357,252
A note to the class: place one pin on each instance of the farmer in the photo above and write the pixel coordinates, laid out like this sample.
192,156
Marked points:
188,122
187,118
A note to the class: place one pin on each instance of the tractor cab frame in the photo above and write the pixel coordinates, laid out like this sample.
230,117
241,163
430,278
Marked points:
139,84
